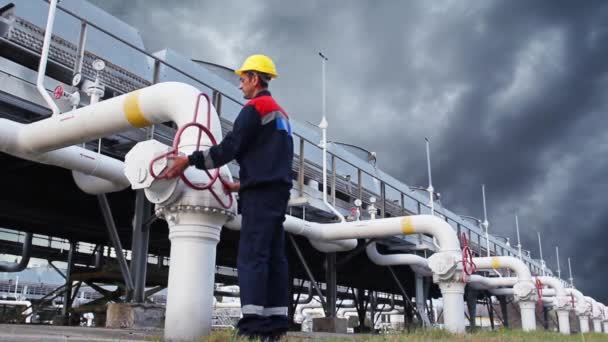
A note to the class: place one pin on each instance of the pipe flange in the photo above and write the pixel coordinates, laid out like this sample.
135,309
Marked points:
525,291
444,266
184,208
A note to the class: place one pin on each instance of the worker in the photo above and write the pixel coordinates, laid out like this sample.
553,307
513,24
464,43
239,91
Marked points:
261,142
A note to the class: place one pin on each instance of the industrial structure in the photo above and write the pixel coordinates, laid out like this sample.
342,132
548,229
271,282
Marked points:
89,119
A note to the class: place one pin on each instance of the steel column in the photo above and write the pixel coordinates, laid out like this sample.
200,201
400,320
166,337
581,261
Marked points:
330,280
67,295
139,253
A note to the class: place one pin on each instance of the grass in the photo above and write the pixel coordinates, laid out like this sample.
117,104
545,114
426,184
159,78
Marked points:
436,335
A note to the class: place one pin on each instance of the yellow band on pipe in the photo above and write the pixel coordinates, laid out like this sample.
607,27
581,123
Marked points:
406,226
495,263
132,111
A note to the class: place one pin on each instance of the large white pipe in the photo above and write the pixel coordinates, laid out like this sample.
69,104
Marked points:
294,225
484,283
523,290
416,262
44,56
103,174
385,227
561,302
162,102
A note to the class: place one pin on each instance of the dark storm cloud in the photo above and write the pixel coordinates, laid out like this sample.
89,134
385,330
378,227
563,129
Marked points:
511,94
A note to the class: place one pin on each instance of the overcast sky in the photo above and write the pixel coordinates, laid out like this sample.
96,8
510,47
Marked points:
512,94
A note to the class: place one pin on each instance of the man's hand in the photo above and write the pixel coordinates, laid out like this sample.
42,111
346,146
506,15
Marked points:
232,186
176,167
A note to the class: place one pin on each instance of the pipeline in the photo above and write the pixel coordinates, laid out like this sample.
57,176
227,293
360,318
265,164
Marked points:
523,289
417,263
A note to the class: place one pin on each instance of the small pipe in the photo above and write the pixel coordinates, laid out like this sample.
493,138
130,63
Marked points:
418,263
48,33
559,271
430,189
570,270
26,253
485,222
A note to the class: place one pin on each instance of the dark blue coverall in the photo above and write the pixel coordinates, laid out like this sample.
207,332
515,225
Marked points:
262,144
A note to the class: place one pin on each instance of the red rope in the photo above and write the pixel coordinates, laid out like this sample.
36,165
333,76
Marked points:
175,151
468,266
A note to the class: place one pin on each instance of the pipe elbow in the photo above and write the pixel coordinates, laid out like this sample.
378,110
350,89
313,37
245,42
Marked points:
432,225
26,253
96,186
497,262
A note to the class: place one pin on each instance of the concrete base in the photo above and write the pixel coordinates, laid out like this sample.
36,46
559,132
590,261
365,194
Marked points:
134,316
331,325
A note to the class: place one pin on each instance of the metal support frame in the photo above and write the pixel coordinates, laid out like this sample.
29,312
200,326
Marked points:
360,248
307,269
26,253
139,247
421,300
406,298
331,282
503,309
360,305
490,309
120,256
50,262
67,295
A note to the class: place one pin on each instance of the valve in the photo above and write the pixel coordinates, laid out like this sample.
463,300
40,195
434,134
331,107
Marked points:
74,98
468,266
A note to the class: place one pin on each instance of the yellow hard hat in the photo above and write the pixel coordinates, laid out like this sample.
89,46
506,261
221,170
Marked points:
259,63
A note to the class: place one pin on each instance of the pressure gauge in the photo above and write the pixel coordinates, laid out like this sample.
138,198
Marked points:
358,202
99,65
76,79
372,200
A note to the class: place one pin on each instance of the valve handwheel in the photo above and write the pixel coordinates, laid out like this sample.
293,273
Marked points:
175,151
58,92
468,266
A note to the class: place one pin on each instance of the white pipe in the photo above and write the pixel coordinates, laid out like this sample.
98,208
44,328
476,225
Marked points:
25,303
528,316
497,262
518,239
162,102
583,322
453,306
104,174
523,290
561,302
418,263
48,33
483,283
294,225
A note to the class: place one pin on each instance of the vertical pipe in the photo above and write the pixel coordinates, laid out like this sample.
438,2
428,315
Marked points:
528,317
597,325
81,48
189,309
453,306
44,56
583,322
563,321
